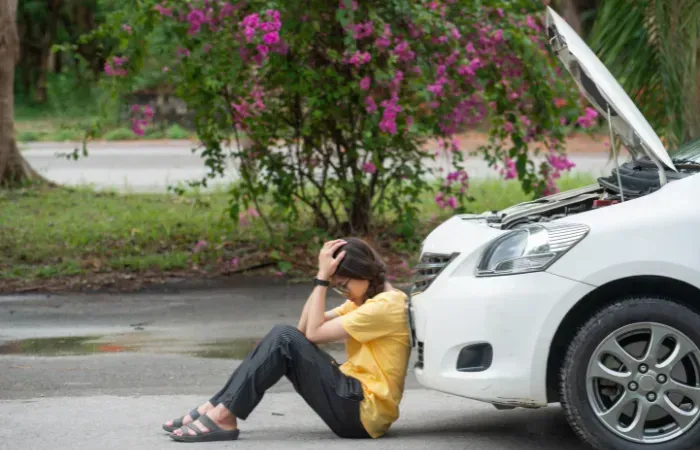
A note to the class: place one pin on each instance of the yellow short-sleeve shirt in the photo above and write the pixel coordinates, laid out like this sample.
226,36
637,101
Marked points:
378,350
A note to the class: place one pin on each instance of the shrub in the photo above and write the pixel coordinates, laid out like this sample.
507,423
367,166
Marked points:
345,106
118,134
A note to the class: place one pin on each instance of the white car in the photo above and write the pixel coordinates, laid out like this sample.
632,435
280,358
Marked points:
589,298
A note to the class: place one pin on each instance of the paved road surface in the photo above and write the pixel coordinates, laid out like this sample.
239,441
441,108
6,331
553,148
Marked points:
149,167
104,400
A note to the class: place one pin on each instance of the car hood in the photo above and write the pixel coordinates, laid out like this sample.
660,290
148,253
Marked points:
602,90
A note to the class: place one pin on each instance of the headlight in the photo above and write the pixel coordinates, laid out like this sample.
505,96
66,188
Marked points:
530,249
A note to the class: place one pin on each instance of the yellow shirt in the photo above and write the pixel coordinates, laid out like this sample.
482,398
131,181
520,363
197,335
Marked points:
378,350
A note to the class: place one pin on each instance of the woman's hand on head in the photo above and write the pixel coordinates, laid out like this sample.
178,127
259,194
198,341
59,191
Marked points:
327,264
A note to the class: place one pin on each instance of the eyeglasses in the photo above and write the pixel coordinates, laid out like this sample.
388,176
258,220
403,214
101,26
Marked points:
342,288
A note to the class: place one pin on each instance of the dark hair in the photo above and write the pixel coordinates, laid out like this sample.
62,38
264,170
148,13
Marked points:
362,262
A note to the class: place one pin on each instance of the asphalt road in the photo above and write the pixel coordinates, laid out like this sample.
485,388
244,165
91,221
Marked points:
148,359
152,167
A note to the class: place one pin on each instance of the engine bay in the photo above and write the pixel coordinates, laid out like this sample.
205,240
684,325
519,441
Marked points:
637,177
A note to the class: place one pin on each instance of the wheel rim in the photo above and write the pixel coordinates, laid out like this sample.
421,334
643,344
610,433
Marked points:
643,383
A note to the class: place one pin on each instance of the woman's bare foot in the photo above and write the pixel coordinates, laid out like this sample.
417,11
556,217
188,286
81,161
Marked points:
188,419
220,415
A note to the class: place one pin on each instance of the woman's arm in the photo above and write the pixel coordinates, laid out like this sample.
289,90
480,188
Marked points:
304,319
318,328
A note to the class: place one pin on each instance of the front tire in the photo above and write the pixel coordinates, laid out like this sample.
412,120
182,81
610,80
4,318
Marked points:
631,377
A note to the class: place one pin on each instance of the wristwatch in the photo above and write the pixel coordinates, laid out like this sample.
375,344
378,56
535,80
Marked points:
318,282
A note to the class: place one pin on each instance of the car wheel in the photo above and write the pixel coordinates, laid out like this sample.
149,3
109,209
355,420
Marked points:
631,377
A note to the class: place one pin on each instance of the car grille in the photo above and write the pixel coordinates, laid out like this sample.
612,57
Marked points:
419,363
430,266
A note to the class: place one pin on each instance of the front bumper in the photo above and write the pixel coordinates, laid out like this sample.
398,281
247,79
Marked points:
517,315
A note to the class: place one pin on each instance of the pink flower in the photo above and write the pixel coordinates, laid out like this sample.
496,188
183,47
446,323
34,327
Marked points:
251,20
271,38
388,122
404,52
360,58
165,69
530,22
242,219
279,273
470,48
440,199
509,171
196,18
365,83
369,167
559,102
252,212
562,120
508,127
588,119
353,5
385,40
120,61
163,10
263,50
206,48
363,30
452,202
560,163
498,37
148,111
137,128
404,264
200,245
370,105
182,52
113,68
135,108
500,12
126,28
234,262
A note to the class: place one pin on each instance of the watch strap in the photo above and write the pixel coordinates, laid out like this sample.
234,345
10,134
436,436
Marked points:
318,282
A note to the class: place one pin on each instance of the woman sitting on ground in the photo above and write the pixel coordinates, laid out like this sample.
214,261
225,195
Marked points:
359,399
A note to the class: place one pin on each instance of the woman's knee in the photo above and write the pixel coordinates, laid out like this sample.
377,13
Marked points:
282,331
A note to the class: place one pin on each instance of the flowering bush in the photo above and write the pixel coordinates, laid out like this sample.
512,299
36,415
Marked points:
343,109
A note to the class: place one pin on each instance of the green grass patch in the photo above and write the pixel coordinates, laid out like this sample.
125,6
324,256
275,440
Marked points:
58,232
177,132
119,134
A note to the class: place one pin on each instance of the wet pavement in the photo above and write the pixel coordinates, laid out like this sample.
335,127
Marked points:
104,370
152,167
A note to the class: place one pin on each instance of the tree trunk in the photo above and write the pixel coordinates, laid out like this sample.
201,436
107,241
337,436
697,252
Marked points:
360,213
14,170
694,125
570,12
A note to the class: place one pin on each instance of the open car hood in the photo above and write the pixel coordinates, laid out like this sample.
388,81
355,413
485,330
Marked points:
603,91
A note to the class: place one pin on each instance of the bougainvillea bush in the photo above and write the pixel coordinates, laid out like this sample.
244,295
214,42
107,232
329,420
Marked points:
347,109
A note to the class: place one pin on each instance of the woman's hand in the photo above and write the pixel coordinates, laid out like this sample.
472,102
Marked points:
327,264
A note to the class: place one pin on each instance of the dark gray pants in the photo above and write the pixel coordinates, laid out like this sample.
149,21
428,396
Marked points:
285,351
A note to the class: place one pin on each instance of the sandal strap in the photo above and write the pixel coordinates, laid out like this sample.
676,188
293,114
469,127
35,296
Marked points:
194,414
210,424
193,427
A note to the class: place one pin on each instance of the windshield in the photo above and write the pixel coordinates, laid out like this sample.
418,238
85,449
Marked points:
688,153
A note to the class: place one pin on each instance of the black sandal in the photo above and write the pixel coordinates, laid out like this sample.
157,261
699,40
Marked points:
177,423
215,433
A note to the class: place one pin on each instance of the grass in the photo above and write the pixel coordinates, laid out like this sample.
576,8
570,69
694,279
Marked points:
59,232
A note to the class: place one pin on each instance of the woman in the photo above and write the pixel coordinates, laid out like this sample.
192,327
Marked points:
359,399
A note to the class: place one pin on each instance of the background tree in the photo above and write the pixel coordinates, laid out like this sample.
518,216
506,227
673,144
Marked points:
342,103
652,47
14,169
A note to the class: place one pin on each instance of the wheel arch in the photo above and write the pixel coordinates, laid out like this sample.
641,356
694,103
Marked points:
602,296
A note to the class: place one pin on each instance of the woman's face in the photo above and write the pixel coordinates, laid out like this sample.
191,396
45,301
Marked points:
350,288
